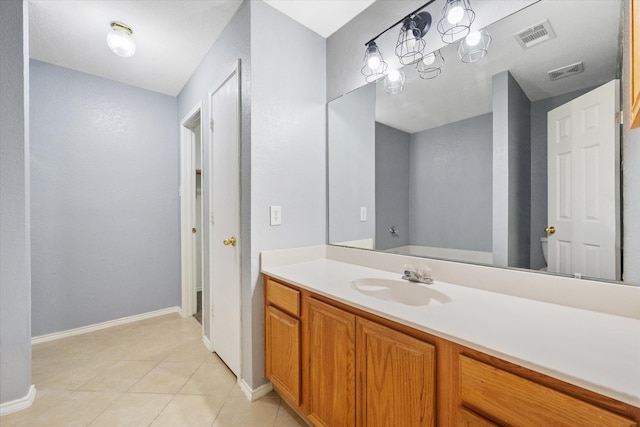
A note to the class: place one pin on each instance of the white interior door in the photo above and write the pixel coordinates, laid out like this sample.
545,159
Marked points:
225,240
584,185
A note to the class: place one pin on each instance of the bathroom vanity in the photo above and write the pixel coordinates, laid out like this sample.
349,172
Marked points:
349,343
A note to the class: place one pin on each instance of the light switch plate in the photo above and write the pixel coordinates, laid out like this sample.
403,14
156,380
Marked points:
276,215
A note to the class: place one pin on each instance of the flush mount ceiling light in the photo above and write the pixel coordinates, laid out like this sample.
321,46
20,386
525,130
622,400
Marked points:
475,46
410,45
119,39
456,20
374,67
430,66
394,81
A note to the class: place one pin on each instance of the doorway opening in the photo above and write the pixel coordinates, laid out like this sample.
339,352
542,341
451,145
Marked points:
191,210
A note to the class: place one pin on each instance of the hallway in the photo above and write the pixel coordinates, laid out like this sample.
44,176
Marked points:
154,372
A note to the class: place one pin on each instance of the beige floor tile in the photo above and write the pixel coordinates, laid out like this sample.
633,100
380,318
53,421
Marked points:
65,374
77,347
191,351
241,412
166,377
120,376
133,410
132,347
189,410
287,417
79,410
33,416
211,379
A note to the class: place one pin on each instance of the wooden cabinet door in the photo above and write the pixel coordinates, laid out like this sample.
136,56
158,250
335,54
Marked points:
395,378
331,365
282,355
469,419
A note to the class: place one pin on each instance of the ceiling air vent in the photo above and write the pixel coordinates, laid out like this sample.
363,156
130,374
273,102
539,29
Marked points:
535,35
566,71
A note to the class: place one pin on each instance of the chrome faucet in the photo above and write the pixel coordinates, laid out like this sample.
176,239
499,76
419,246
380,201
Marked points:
413,276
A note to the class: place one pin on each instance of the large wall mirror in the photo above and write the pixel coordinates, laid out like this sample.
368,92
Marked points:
511,161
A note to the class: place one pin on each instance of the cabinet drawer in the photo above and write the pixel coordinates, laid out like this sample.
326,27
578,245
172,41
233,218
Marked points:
512,400
282,296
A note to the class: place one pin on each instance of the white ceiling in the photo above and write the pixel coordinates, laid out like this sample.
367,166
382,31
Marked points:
172,36
322,16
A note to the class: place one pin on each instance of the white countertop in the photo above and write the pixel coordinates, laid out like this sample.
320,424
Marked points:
593,350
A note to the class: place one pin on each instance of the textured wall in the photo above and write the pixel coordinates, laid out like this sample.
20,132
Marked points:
15,286
104,169
511,173
233,44
392,186
288,148
352,175
450,199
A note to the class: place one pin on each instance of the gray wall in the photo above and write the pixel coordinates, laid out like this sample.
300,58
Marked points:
288,152
104,179
232,44
630,177
511,173
352,160
451,185
15,247
539,110
392,186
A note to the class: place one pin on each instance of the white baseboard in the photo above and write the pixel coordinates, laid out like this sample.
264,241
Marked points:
103,325
254,394
207,343
19,404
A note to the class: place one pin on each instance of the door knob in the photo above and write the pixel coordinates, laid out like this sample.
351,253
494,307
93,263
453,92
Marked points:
550,230
193,230
230,241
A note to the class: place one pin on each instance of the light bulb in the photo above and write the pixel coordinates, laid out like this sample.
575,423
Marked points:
429,59
394,75
411,42
373,62
473,38
455,15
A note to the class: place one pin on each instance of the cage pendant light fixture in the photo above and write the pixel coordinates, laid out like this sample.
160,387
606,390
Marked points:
430,66
455,22
475,46
394,81
410,45
373,67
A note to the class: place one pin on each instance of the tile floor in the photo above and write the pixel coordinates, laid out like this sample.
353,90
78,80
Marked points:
154,372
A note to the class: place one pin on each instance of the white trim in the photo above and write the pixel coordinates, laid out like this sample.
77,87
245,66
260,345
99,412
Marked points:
104,325
19,404
254,394
207,343
187,187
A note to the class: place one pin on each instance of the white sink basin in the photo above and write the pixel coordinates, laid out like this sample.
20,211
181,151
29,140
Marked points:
400,291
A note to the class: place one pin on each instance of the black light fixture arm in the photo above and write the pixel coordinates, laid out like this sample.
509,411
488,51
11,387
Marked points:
400,21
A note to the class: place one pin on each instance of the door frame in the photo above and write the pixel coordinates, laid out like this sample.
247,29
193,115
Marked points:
187,209
235,70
